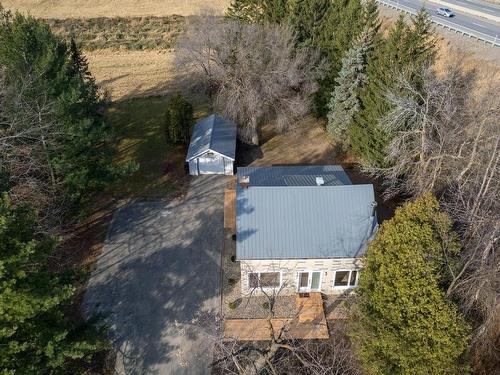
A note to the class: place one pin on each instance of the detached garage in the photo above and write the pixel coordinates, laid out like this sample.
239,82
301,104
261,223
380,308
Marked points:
213,146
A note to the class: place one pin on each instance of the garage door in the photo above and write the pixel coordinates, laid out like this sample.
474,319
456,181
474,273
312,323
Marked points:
208,164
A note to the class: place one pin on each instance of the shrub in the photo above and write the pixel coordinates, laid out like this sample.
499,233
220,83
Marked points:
403,322
234,304
178,120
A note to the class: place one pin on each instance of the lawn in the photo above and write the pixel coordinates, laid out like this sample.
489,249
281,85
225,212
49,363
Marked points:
138,125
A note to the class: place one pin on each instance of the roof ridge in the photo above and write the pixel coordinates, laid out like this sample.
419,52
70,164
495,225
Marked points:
323,187
211,131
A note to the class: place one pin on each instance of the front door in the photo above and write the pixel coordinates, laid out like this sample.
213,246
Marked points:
309,281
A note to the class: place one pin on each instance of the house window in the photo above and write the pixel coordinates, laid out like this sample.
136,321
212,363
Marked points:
264,280
345,279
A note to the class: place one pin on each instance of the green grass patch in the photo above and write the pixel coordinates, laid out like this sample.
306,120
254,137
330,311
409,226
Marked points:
129,33
138,125
139,129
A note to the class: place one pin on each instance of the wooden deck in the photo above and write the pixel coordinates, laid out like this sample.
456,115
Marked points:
310,323
230,209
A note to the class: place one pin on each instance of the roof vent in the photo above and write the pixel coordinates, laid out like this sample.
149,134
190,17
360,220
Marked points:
374,206
320,181
245,182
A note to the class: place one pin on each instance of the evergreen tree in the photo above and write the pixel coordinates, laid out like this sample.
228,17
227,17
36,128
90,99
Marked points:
307,18
42,71
35,335
342,25
406,50
178,120
344,103
403,323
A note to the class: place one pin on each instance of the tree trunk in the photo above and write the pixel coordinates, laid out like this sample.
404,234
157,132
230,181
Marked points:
254,131
256,367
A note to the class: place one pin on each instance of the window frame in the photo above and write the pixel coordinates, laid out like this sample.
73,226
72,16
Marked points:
309,280
265,287
342,287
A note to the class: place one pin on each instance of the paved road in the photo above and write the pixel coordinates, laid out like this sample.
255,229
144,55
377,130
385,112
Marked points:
479,6
158,273
475,23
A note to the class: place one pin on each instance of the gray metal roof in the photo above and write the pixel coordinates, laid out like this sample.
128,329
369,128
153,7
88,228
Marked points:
303,222
213,133
295,175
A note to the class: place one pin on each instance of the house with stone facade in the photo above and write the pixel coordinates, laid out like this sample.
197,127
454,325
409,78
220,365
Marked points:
301,228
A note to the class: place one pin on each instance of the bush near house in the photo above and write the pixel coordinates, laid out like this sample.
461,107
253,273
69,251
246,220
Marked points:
403,323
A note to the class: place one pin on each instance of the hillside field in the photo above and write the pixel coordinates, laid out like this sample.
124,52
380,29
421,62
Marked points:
114,8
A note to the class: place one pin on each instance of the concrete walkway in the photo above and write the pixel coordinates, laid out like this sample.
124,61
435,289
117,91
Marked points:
158,276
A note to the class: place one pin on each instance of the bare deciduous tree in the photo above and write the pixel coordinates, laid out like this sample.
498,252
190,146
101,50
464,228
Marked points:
446,140
28,135
251,72
282,353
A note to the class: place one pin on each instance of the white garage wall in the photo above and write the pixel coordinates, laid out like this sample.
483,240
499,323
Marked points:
211,164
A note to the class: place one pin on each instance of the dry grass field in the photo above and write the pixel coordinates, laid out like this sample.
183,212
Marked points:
113,8
120,33
127,74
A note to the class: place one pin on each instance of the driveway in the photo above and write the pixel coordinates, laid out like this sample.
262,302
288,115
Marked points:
157,275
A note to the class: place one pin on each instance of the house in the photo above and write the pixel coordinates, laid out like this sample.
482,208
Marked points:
301,228
213,146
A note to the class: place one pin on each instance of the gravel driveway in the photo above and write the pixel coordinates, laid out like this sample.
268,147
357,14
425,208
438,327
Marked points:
159,270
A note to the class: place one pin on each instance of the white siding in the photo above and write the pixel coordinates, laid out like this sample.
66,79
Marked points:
228,167
193,167
211,163
291,267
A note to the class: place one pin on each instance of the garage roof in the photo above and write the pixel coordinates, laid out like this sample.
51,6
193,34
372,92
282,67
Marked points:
213,133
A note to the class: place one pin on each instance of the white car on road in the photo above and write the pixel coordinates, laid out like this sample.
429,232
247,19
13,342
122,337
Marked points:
445,12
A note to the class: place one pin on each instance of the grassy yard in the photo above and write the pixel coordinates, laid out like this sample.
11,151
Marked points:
138,125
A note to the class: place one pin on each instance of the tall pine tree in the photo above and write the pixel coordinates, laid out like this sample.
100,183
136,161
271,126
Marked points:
344,103
404,51
308,18
36,336
342,25
42,71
